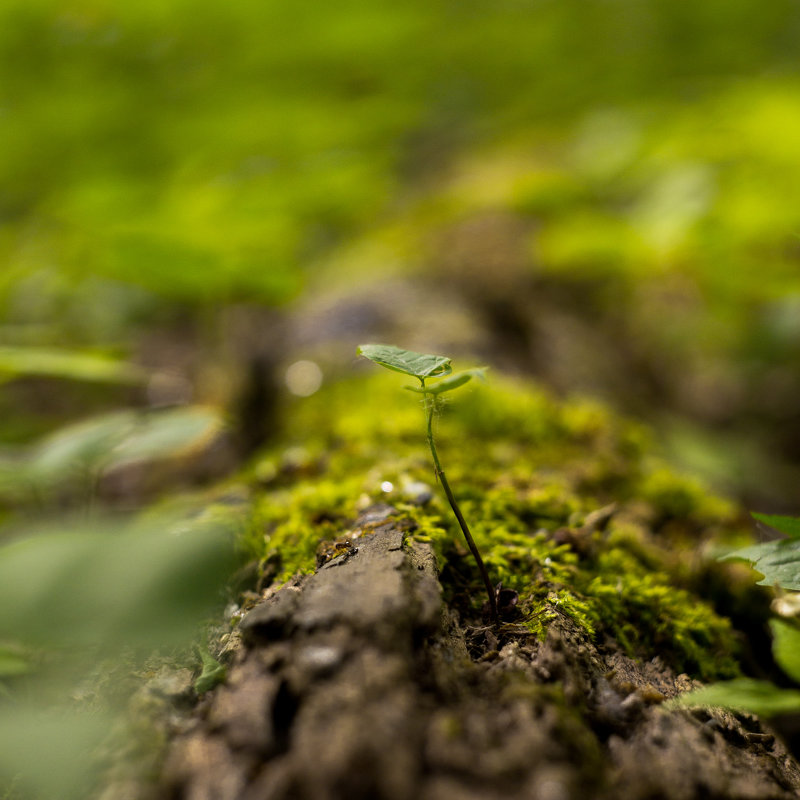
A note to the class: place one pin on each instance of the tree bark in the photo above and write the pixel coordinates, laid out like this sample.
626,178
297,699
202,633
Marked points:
357,682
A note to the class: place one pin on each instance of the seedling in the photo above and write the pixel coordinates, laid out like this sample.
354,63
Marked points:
424,367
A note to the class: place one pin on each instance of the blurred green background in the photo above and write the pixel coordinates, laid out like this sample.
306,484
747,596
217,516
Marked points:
599,194
204,207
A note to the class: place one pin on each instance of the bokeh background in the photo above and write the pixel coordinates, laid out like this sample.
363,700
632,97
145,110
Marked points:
602,195
205,207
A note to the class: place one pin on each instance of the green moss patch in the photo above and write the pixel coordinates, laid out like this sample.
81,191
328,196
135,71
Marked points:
530,474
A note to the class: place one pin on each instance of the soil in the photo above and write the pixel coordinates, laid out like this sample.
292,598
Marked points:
359,682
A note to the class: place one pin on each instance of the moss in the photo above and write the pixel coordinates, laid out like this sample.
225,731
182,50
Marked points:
681,497
288,524
528,472
645,612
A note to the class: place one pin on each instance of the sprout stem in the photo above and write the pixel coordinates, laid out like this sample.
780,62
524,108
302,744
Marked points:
429,405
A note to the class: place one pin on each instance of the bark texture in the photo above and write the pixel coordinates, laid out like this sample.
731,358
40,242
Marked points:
357,682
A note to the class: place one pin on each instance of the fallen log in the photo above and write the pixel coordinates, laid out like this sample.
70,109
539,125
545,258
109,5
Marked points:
359,682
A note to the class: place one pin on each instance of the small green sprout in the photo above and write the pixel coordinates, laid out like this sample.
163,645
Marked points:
211,674
424,367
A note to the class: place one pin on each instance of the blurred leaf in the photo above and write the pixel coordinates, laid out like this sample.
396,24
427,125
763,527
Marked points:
788,525
778,562
113,440
18,362
169,433
786,647
109,584
420,365
79,448
451,382
48,751
16,482
744,694
12,662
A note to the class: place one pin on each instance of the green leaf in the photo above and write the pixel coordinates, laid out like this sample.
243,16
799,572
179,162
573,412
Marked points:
420,365
744,694
786,647
212,674
25,361
451,382
788,525
778,562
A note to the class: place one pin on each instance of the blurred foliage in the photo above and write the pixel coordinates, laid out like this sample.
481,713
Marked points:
205,152
109,584
164,161
97,586
747,695
645,252
81,366
77,594
779,564
81,453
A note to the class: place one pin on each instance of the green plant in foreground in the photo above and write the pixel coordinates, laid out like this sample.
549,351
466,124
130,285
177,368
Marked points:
424,367
779,563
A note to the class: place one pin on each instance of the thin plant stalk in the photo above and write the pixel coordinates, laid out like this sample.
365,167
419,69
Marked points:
430,402
422,366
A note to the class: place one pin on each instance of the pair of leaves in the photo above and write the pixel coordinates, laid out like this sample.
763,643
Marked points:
420,366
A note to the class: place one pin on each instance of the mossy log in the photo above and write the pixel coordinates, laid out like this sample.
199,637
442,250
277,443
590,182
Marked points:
358,682
373,674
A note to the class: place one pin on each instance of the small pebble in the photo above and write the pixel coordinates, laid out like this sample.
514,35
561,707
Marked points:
418,493
171,684
320,658
377,512
651,695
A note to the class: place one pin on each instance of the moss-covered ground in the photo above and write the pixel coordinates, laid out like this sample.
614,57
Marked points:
567,502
